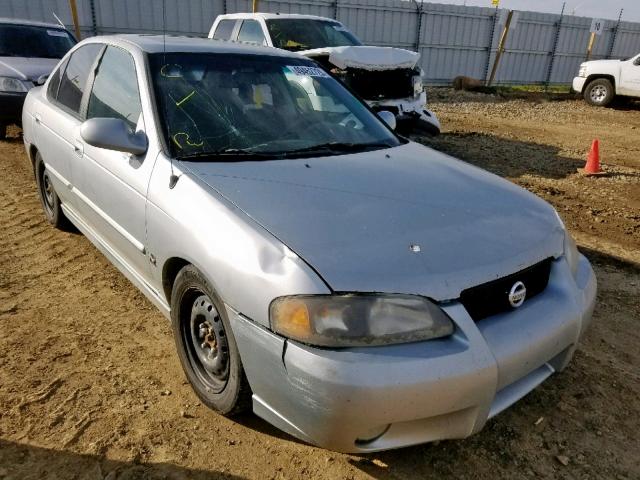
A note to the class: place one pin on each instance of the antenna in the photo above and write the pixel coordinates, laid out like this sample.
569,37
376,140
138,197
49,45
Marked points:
173,178
58,19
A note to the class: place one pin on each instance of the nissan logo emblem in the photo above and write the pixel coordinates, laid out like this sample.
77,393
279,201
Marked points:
517,294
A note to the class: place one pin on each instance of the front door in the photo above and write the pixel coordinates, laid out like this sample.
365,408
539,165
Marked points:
113,185
630,77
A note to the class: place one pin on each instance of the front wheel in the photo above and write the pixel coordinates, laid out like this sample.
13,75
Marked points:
206,346
599,92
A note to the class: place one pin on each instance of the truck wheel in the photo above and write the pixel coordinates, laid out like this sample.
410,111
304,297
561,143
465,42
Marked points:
48,196
206,346
599,92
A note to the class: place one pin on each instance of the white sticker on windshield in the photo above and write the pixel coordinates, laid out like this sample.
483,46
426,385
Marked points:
56,33
308,71
340,28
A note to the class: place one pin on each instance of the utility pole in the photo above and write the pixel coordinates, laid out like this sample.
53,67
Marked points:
503,41
74,17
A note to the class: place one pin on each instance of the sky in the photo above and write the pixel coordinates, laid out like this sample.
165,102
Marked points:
584,8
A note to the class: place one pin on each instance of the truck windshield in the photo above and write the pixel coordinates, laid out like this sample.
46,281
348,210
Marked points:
33,41
236,106
297,34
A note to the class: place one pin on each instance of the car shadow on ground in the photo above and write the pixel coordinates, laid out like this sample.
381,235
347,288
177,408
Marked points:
20,461
504,156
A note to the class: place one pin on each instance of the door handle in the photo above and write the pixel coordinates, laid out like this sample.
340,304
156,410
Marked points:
78,149
38,117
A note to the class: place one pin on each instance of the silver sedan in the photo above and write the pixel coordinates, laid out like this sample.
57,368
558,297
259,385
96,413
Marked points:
357,290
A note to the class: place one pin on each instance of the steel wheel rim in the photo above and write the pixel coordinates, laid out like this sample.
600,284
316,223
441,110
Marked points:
598,93
206,342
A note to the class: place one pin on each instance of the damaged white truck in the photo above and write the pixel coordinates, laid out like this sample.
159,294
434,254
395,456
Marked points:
386,78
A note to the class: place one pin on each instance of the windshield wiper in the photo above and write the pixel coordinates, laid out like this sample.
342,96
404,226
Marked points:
336,147
227,154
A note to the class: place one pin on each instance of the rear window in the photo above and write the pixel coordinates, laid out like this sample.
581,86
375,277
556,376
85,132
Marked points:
34,42
224,30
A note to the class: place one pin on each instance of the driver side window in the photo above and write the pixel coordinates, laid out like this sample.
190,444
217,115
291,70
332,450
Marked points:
115,89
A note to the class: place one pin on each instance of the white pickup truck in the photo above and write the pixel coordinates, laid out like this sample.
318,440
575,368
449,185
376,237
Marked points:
600,81
388,79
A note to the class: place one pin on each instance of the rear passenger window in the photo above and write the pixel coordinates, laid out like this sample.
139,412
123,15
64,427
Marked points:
224,30
74,79
251,32
115,91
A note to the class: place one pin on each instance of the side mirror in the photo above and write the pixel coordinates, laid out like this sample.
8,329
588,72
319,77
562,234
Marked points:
113,134
387,117
41,79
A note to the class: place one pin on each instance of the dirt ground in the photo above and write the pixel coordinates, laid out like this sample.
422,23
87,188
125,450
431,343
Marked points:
91,387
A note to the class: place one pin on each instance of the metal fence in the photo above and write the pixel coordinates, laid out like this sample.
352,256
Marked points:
452,39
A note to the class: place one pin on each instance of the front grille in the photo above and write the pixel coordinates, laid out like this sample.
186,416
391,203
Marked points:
492,297
378,85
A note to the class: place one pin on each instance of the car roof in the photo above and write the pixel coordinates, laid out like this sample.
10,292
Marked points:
181,44
30,23
267,16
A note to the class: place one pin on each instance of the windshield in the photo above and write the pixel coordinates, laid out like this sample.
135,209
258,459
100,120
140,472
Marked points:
258,105
30,41
306,34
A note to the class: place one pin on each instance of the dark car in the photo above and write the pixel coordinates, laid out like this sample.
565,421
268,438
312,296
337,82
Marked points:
28,53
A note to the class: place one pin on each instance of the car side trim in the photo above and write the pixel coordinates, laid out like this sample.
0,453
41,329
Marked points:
134,241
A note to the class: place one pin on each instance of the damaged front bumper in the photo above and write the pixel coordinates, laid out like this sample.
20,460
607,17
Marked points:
411,114
377,398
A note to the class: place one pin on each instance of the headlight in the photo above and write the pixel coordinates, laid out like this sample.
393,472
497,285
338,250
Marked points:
8,84
583,71
358,320
417,85
571,252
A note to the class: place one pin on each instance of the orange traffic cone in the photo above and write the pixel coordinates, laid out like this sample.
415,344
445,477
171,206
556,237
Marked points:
593,160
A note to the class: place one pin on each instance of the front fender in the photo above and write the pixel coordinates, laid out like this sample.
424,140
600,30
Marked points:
246,265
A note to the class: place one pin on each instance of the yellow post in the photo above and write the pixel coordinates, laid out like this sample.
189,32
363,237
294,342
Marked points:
74,16
255,6
503,40
592,40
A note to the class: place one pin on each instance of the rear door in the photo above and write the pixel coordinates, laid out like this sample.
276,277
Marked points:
57,120
113,185
630,77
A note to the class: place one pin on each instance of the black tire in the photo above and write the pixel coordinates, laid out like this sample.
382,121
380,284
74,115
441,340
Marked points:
599,92
3,131
213,367
48,196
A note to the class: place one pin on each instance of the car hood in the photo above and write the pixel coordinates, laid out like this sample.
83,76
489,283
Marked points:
366,57
359,219
602,63
26,68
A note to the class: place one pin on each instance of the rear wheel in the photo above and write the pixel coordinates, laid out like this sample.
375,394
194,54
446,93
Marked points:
599,92
206,346
48,196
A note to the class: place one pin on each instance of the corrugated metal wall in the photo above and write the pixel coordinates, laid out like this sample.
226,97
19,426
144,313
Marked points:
452,39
